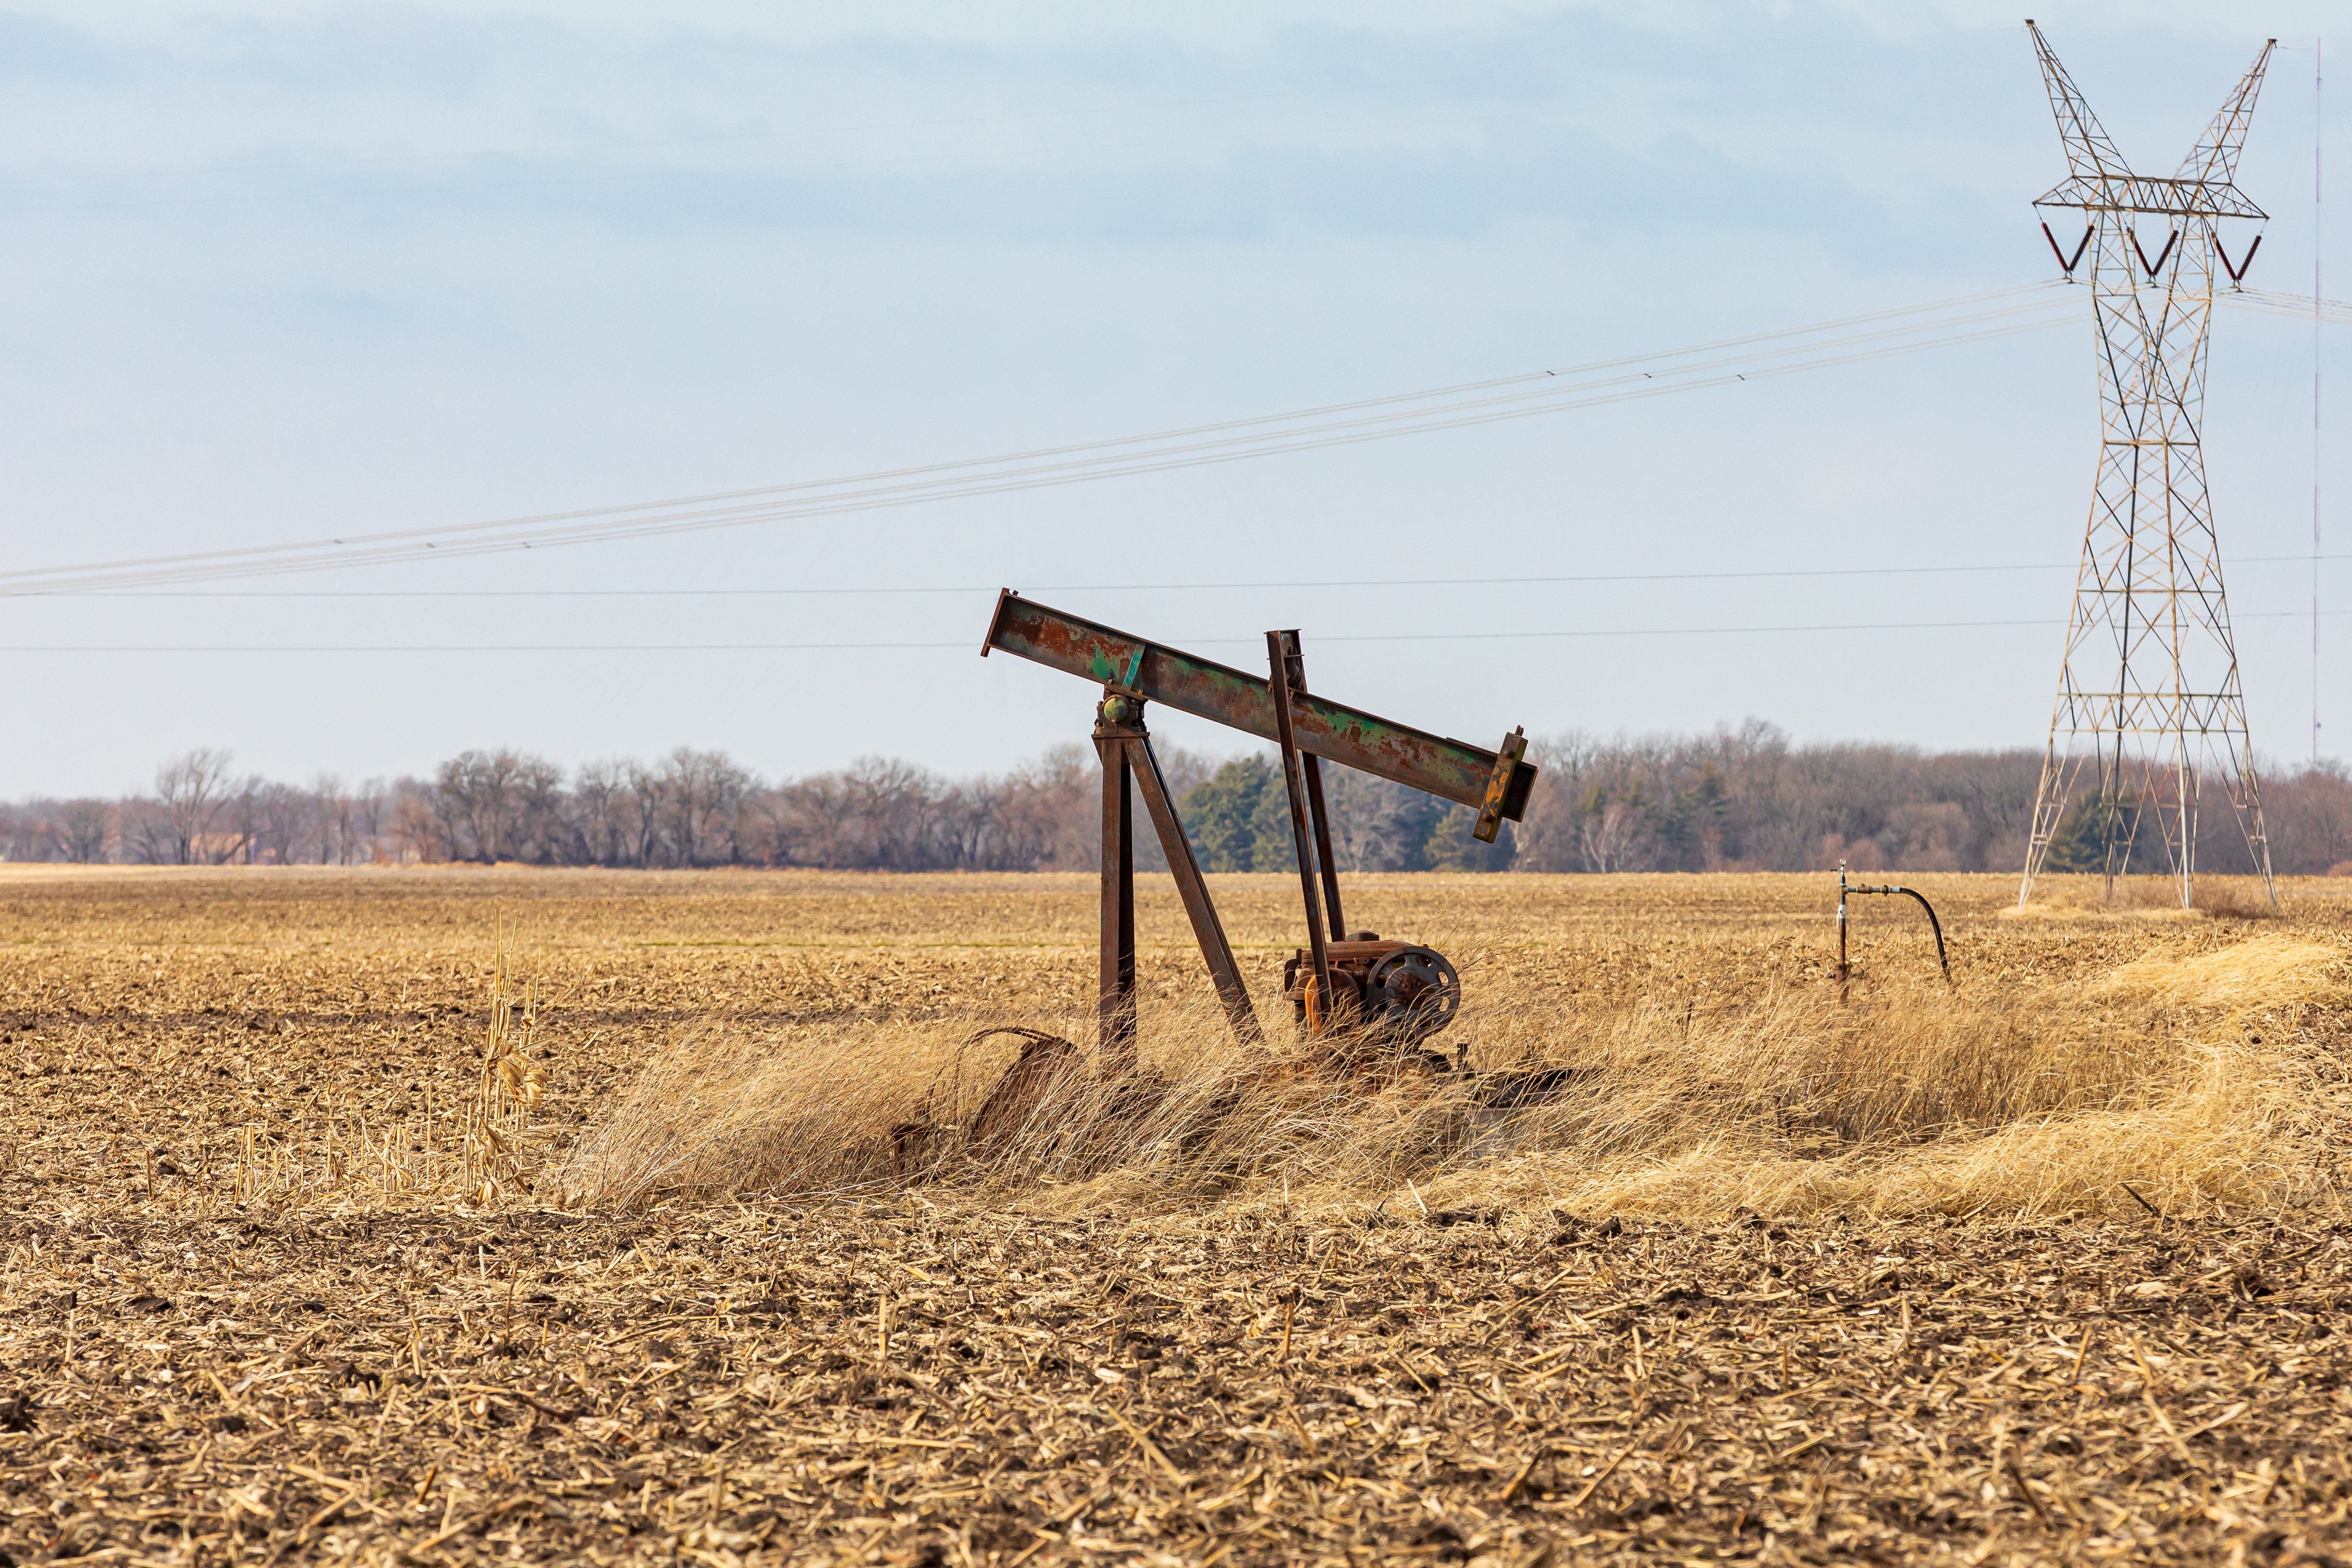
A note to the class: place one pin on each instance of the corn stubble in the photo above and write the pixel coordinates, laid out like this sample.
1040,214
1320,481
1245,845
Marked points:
555,1215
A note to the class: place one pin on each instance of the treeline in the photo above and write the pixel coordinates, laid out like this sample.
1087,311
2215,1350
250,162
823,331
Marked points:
688,809
1745,799
1738,799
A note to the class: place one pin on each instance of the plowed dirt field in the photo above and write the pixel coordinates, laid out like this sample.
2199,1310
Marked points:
255,1307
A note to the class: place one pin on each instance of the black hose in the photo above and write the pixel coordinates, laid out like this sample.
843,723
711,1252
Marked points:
1933,924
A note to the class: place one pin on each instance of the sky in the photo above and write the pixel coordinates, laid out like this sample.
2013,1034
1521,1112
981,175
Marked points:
279,272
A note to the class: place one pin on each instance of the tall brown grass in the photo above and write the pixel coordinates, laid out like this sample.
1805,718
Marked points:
2194,1079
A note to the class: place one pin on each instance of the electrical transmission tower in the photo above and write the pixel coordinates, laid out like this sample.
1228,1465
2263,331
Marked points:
2148,695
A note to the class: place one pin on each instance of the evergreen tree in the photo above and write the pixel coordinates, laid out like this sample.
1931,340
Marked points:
2091,821
1221,815
1272,846
1451,846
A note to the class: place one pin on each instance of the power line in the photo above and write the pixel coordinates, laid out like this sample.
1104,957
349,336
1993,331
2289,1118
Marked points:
586,175
1846,341
966,642
2302,306
1965,318
901,589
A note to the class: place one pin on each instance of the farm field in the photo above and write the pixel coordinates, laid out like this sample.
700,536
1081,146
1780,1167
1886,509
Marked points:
2049,1265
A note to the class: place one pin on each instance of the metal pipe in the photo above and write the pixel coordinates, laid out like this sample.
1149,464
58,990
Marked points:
1843,971
1943,959
1320,812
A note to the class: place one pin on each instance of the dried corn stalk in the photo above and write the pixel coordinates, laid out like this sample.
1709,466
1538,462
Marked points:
512,1083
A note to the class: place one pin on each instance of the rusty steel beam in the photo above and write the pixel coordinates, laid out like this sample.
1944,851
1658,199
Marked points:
1302,837
1318,811
1450,770
1207,929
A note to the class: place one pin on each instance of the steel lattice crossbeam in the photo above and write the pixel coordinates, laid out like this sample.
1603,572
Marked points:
2150,698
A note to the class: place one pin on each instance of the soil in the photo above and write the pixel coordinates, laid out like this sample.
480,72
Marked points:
218,1344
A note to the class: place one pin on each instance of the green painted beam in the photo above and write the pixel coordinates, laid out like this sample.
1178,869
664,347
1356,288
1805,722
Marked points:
1450,769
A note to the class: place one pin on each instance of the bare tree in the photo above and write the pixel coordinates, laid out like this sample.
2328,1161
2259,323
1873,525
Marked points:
276,820
897,804
816,823
329,822
473,795
542,828
1377,825
645,806
192,788
366,808
2310,815
1048,813
599,801
701,790
497,805
419,829
32,833
81,829
1612,837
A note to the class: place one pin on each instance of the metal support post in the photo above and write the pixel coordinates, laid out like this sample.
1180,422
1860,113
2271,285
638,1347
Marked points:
1115,1005
1125,746
1293,781
1318,814
1207,929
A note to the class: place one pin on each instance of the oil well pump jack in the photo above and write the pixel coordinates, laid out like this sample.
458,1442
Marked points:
1342,985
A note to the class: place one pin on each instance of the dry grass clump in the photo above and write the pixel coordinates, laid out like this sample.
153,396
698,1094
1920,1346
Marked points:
2191,1078
715,1113
812,1111
2022,1099
2146,898
2268,972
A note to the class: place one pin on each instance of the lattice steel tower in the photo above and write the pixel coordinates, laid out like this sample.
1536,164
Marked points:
2148,695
